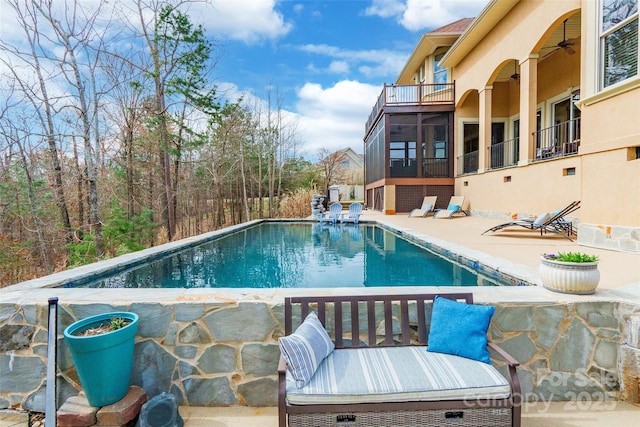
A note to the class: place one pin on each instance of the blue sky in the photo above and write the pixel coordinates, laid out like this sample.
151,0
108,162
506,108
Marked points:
326,60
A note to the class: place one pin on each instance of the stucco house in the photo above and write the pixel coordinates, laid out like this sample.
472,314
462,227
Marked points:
527,107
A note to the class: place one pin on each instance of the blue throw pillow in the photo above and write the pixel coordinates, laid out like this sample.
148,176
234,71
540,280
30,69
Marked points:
305,349
453,207
460,329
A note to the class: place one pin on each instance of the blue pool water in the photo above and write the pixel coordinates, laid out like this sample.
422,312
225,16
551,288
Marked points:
297,255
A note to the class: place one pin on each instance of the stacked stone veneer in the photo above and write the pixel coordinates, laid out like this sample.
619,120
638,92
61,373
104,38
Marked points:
615,238
226,353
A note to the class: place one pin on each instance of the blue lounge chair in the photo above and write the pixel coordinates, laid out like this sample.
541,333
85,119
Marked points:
335,210
428,205
454,207
355,210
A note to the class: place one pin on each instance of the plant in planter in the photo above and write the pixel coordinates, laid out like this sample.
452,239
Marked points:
570,272
102,350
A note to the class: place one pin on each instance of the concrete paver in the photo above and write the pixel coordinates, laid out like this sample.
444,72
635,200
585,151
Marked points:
538,414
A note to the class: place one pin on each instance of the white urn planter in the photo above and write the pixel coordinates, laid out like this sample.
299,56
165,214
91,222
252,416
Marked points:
569,277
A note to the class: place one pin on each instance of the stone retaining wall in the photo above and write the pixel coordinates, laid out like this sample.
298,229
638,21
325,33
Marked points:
226,353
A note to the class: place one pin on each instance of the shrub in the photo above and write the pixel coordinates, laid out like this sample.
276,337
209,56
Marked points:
571,257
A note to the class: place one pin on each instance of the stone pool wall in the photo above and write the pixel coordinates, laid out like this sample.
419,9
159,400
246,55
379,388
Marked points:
225,352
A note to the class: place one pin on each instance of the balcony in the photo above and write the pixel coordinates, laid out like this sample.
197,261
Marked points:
403,168
504,154
468,163
408,168
435,167
407,95
560,140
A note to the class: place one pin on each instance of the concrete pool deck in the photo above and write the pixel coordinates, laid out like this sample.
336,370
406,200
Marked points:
618,270
554,414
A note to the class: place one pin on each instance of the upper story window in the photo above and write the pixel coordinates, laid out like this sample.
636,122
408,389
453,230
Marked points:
345,163
618,41
422,75
439,73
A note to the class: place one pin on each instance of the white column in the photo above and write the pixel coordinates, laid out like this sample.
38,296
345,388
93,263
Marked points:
484,127
528,108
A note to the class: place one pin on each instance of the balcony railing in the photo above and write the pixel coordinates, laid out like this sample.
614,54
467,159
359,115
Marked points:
435,167
468,163
504,154
403,168
419,94
562,139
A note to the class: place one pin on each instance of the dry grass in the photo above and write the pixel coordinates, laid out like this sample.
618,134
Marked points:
297,205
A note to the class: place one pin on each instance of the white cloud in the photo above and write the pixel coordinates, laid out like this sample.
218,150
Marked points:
372,63
338,67
417,15
386,8
331,118
426,14
334,117
249,21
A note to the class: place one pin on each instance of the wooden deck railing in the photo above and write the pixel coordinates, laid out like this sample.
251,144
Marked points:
418,94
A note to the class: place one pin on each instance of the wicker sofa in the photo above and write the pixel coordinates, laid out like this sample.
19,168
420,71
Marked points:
380,374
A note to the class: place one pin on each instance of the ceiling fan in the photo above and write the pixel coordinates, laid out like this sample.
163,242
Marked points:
566,44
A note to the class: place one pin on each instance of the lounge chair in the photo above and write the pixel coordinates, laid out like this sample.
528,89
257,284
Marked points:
335,210
554,222
355,210
454,207
428,205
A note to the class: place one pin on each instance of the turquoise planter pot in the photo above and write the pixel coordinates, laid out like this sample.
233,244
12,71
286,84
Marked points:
104,361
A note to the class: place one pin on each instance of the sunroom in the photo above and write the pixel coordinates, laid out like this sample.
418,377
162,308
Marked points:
409,134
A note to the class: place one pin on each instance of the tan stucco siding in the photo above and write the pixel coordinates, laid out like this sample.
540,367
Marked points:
500,100
611,189
532,190
514,37
611,123
557,72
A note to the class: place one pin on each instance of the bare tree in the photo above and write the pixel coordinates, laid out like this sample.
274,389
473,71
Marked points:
330,165
74,35
38,97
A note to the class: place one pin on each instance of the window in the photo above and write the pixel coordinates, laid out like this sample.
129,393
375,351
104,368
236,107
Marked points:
439,73
435,145
422,75
471,137
471,142
403,131
345,163
618,41
497,133
497,145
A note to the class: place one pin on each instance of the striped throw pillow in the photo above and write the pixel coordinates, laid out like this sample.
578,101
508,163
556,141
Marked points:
305,349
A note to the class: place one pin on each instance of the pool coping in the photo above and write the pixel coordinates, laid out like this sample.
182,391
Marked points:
42,288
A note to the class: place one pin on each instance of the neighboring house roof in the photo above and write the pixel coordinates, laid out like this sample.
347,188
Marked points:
429,42
349,152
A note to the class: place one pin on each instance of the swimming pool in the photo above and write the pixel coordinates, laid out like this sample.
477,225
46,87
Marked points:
297,255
